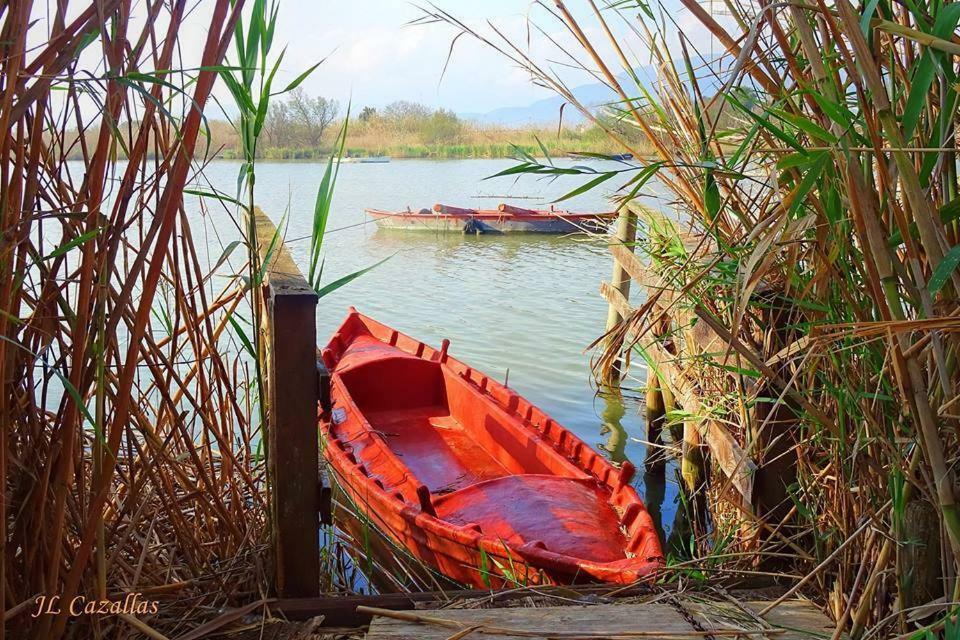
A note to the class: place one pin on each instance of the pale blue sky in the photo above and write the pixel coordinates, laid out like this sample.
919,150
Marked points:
376,57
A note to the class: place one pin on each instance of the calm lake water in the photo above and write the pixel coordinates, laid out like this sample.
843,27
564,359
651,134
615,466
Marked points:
525,304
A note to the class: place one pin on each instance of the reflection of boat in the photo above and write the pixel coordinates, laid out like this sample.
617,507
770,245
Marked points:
366,159
505,219
468,476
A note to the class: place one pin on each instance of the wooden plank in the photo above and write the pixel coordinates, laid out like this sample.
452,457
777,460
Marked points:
615,299
632,266
546,621
282,274
794,619
341,610
288,342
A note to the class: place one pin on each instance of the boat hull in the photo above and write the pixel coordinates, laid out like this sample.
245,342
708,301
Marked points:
548,511
491,223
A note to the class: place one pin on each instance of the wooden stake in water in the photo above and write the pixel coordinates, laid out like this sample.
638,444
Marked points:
626,235
655,414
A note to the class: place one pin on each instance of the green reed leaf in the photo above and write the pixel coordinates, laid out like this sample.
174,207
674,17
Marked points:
944,270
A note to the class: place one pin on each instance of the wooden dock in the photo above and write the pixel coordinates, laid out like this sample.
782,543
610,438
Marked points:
601,612
674,618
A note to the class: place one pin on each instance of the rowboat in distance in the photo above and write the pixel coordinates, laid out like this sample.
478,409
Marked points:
366,159
613,157
468,476
504,219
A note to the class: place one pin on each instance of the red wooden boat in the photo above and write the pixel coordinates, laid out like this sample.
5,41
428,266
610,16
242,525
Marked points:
504,219
468,476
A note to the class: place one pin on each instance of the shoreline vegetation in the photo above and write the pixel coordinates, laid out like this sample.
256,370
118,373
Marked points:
304,127
502,145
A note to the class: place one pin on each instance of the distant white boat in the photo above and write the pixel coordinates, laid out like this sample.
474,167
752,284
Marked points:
367,159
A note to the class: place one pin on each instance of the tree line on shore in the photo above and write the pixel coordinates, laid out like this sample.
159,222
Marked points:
305,127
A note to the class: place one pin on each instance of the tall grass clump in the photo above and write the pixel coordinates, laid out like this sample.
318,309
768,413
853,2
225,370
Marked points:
803,290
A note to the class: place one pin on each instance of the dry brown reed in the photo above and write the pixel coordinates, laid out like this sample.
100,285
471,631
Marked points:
127,453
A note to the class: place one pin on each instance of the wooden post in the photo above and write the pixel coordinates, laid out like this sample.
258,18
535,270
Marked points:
626,235
288,339
620,280
691,463
670,404
656,416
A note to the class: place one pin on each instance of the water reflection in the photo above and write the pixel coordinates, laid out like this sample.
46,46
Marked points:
652,486
478,248
611,425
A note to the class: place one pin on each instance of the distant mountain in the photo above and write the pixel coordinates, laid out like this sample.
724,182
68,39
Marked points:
547,111
595,95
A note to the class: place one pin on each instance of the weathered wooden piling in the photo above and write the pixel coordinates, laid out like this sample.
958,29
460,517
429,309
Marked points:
655,414
288,343
659,399
620,280
691,460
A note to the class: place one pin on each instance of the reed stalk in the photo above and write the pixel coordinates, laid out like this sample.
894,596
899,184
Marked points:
129,445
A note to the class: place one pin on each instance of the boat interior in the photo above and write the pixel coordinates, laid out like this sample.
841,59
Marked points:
420,424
